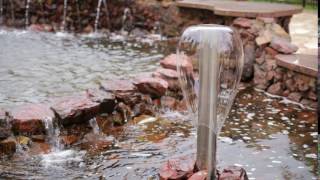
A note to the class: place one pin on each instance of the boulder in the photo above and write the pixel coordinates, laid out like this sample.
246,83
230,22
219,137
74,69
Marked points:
7,147
154,86
295,96
169,75
28,119
171,61
180,168
276,89
265,37
75,109
242,22
283,45
118,86
233,173
106,100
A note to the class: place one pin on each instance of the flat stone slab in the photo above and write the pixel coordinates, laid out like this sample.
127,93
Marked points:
28,118
242,8
305,64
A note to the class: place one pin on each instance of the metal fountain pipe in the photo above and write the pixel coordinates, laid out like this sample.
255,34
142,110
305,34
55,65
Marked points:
218,60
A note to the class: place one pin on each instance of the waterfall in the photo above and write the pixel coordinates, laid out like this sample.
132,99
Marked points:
53,133
65,7
1,11
95,126
12,11
126,20
97,16
27,13
96,23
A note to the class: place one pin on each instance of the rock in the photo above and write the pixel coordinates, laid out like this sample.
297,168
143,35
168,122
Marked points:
270,75
295,96
168,102
154,86
302,82
69,139
260,81
28,119
105,99
169,75
264,38
249,58
177,168
47,28
233,173
266,20
283,46
118,86
312,95
279,31
271,64
23,140
310,117
3,118
38,138
36,27
309,103
170,62
289,83
276,89
75,109
88,29
7,147
271,51
242,22
4,133
260,60
200,175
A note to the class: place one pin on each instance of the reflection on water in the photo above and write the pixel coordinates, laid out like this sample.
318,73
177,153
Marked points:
35,66
271,140
267,138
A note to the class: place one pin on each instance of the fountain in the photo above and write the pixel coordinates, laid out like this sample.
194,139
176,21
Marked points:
27,13
1,11
65,8
96,23
97,16
53,132
219,56
126,20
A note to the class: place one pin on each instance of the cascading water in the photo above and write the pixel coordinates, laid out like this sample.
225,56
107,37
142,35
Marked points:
53,133
96,23
1,11
97,16
65,7
126,20
27,13
95,127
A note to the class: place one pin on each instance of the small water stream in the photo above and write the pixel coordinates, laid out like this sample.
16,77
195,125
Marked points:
268,137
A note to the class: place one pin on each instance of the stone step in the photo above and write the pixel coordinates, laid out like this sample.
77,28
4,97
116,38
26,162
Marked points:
302,63
242,8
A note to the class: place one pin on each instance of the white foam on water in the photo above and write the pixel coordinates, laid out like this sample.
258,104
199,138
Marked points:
60,158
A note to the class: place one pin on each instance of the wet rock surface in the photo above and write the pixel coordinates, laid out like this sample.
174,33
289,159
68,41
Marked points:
156,87
28,118
75,109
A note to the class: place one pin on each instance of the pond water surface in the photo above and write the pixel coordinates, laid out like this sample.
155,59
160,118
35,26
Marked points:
269,137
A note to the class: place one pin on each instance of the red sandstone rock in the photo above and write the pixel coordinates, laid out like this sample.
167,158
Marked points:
312,95
170,62
118,86
309,103
177,168
276,89
75,109
169,75
283,46
153,86
233,173
243,22
69,140
28,119
7,147
168,102
295,96
271,51
36,27
200,175
105,99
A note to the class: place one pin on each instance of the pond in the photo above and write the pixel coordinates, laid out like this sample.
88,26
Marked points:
267,136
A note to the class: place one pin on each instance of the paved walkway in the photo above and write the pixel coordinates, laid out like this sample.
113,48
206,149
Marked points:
304,32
